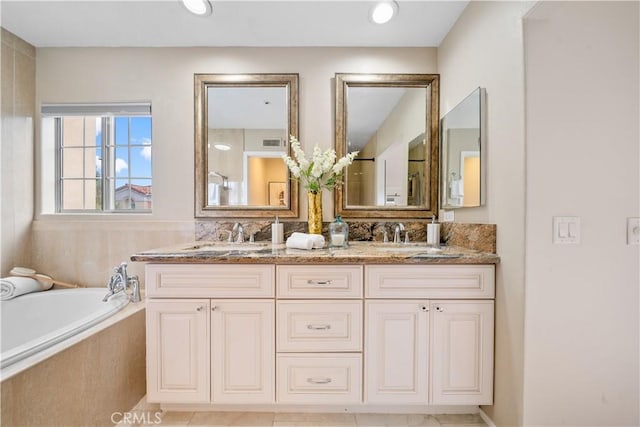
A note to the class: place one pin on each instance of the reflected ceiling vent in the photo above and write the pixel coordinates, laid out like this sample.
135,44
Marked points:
272,143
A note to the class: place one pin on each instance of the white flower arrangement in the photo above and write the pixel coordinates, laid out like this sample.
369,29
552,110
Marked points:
321,170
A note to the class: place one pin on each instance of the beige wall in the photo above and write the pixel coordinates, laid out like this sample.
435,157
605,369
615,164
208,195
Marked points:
16,154
404,123
164,76
583,159
484,48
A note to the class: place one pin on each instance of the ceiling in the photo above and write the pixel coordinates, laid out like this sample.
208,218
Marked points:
247,107
157,23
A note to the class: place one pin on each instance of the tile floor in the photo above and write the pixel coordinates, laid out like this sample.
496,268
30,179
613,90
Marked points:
148,412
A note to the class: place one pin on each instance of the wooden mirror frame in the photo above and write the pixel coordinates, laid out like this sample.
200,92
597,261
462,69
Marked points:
201,83
432,122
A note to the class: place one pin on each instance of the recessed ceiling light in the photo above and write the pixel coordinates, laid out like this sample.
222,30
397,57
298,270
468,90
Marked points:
198,7
222,147
383,11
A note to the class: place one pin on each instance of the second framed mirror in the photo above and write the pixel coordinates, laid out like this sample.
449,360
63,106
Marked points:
392,120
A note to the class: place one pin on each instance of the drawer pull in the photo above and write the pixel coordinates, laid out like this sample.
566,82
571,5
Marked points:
318,380
318,282
319,327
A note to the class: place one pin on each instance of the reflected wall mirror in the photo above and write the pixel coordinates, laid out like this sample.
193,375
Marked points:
463,139
242,128
392,120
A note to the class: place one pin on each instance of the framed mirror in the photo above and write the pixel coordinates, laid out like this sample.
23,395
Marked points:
463,139
392,121
242,128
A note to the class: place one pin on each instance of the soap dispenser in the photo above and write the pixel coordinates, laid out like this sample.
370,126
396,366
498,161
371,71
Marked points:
277,232
338,233
433,233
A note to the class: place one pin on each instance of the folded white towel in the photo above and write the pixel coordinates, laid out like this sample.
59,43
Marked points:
305,241
11,287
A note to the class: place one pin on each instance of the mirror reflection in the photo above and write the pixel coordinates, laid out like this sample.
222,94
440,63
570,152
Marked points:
386,125
389,119
245,122
462,135
247,130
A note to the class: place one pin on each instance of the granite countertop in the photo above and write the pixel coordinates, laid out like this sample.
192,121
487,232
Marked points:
356,253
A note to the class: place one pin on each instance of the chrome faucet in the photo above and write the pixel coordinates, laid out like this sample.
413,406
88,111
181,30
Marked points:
239,229
396,233
120,281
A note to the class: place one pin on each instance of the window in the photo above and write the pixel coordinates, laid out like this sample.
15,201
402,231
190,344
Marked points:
102,157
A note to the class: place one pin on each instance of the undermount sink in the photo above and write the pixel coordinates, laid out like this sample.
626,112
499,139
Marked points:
410,248
230,246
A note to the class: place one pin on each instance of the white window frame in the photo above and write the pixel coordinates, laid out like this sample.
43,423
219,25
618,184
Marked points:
108,113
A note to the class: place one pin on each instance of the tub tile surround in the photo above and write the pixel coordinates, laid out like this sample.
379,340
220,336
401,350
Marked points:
89,264
480,237
84,384
18,111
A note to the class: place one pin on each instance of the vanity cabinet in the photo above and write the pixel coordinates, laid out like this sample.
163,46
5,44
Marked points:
242,351
397,356
178,350
462,352
211,350
425,349
320,334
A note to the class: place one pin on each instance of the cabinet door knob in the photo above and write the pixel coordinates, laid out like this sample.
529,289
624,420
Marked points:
318,327
214,307
318,282
439,309
199,308
318,380
424,308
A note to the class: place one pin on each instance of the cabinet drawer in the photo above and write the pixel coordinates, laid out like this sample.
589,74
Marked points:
430,281
329,378
319,326
319,281
214,281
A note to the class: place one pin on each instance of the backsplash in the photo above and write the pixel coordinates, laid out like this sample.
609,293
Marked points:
481,237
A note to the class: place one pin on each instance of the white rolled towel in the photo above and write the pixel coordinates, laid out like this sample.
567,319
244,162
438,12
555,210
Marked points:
11,287
305,241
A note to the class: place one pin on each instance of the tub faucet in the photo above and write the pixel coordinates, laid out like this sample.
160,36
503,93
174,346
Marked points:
120,281
396,233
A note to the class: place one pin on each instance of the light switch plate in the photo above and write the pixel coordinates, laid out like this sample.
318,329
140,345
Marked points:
566,230
633,231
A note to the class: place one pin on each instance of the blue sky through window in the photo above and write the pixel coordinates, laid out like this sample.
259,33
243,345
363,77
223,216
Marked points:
135,160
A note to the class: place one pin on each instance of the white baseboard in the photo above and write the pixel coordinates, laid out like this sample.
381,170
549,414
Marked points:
486,418
366,409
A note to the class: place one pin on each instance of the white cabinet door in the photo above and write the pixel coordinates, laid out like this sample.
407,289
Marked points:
178,351
462,349
397,352
242,351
